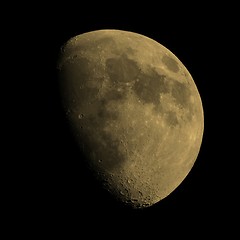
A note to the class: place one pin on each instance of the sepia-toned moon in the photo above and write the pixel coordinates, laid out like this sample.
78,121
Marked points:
134,110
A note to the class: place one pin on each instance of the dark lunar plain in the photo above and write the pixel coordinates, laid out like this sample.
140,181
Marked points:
55,192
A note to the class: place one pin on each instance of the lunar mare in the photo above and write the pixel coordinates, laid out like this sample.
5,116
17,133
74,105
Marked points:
135,111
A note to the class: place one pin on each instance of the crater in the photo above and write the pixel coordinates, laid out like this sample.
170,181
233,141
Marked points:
171,64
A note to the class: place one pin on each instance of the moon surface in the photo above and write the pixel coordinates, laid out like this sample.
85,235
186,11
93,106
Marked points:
134,110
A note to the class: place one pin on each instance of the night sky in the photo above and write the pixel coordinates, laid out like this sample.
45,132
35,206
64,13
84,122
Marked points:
56,191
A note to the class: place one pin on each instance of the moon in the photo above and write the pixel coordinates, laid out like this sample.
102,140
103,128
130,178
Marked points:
134,110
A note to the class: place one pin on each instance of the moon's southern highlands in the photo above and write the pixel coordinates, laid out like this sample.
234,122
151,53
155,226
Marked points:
135,112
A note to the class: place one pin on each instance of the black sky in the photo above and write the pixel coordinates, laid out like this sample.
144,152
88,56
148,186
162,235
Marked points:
54,190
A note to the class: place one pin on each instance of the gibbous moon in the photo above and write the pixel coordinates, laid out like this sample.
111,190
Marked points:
134,110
